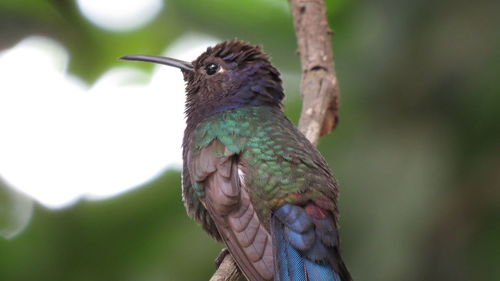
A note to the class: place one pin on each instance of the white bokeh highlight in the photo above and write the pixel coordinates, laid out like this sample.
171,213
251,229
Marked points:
61,141
120,15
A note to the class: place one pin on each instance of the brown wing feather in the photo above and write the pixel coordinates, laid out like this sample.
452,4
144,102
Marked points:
229,205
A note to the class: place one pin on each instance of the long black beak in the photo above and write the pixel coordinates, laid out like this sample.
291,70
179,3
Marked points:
183,65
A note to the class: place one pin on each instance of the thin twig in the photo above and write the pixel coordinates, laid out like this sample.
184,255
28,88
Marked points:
319,88
227,270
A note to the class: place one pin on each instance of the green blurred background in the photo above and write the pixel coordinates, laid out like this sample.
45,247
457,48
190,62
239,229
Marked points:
416,151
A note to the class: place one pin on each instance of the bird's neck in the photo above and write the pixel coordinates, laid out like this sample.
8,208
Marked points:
245,97
232,111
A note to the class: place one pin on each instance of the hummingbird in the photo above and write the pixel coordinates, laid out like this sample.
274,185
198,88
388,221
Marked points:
250,177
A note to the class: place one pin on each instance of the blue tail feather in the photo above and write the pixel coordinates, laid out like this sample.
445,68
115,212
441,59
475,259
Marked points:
288,259
298,257
316,271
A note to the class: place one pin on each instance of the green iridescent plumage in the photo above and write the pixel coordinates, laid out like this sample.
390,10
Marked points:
281,166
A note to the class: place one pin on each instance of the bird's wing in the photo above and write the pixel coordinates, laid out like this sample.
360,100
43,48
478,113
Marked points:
194,207
217,171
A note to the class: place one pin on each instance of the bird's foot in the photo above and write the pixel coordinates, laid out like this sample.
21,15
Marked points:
220,258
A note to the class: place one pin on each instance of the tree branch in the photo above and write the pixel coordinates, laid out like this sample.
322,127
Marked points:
227,269
319,88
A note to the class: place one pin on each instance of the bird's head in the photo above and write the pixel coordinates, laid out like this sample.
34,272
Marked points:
228,75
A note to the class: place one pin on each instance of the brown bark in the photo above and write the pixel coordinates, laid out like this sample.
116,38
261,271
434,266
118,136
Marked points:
319,85
227,270
319,88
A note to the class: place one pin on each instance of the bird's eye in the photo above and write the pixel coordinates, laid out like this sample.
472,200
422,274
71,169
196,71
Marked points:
211,68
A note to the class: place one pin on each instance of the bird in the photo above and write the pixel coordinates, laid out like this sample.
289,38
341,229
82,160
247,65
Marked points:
250,177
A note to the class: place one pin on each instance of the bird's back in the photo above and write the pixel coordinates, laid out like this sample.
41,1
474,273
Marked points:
278,164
